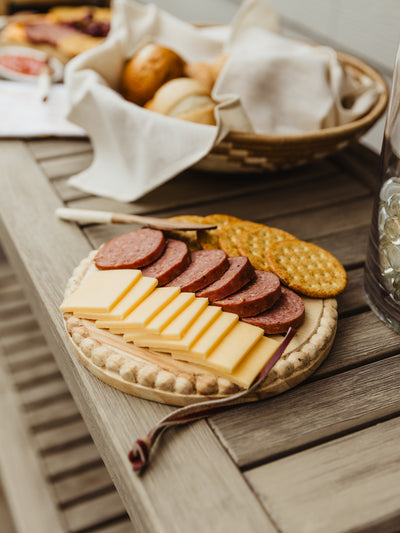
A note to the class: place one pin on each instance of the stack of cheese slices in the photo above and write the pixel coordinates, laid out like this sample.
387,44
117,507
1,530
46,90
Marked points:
168,320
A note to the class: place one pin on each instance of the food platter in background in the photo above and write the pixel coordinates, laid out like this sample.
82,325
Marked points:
19,63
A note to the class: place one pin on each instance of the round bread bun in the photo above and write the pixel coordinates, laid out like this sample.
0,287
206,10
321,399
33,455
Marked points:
202,72
147,70
186,99
217,64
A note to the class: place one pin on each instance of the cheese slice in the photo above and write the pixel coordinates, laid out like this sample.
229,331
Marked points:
209,339
179,326
249,368
144,310
100,292
141,289
234,347
171,311
204,321
122,308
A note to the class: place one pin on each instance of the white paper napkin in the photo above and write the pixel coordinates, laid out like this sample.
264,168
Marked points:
270,84
23,114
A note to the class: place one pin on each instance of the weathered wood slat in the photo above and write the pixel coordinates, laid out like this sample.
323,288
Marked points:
41,372
59,438
53,148
82,484
122,526
353,299
339,217
12,309
43,393
94,512
62,463
348,484
29,357
53,414
68,193
13,324
23,339
149,500
66,165
305,194
24,482
7,523
301,417
11,293
352,349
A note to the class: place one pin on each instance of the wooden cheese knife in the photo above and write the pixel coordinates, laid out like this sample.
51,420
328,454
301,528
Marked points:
87,216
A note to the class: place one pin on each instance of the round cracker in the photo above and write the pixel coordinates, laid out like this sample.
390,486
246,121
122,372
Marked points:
307,268
255,244
209,239
230,234
189,237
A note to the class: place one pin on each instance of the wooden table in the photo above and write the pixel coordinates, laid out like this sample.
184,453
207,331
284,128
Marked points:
322,457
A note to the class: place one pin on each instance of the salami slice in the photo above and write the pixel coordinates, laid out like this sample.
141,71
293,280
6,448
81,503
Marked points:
131,250
171,263
206,267
239,273
287,311
48,33
255,297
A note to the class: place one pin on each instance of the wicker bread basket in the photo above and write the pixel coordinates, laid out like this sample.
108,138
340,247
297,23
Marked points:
241,152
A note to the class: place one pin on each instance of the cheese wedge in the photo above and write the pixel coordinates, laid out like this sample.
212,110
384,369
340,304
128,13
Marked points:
145,308
204,321
170,312
209,339
141,289
248,369
100,292
234,347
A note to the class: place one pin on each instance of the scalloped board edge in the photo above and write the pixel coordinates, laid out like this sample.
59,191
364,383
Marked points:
154,376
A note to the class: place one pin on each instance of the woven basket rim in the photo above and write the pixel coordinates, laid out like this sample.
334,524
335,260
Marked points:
345,130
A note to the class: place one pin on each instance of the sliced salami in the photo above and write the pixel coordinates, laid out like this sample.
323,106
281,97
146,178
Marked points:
131,250
287,311
255,297
171,263
206,267
239,273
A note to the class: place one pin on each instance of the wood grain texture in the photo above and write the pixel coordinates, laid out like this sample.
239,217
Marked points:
167,489
313,411
349,484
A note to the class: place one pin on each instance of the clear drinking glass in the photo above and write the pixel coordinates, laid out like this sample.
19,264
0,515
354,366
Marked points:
382,267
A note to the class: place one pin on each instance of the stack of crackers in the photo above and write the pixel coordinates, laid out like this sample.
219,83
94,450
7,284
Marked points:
302,266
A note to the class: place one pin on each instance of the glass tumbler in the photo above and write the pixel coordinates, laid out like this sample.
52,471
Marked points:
382,267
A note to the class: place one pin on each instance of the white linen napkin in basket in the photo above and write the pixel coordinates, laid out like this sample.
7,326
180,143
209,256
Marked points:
270,84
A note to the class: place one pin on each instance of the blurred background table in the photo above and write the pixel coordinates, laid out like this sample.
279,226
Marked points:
322,457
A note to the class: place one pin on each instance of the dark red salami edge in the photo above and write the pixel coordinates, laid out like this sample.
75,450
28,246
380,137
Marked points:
255,297
206,267
239,273
286,312
135,249
174,260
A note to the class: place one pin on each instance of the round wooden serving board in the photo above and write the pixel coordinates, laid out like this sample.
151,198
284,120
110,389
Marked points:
156,376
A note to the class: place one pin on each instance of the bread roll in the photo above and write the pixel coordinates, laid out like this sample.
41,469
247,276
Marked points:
186,99
202,72
147,70
218,63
